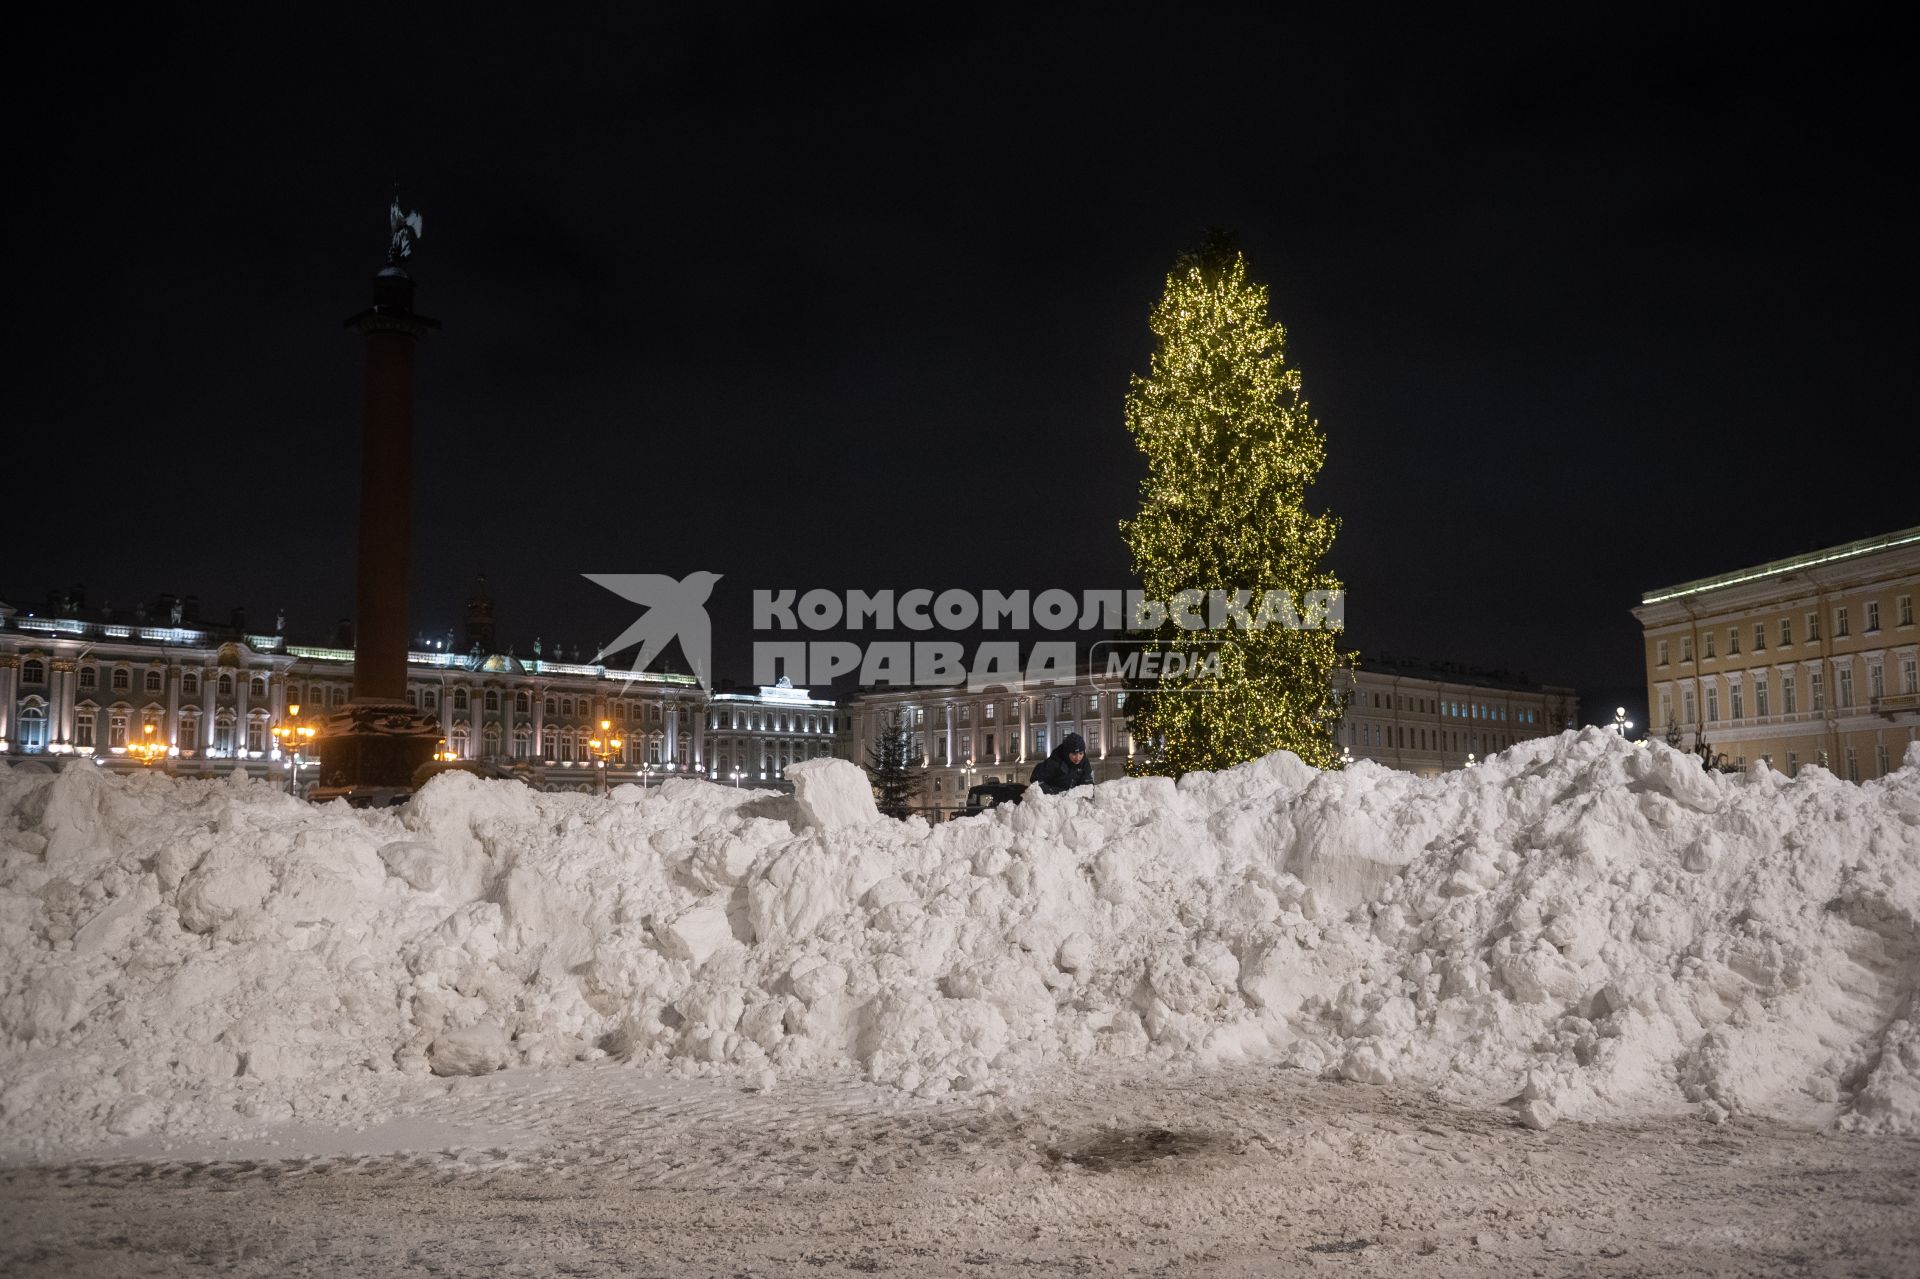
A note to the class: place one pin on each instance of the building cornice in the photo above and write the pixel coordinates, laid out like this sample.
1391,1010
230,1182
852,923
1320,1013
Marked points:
1908,537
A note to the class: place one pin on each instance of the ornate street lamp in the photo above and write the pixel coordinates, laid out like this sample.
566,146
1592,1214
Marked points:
1621,724
149,748
605,749
295,739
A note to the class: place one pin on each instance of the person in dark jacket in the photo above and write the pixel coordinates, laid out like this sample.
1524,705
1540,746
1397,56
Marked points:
1066,768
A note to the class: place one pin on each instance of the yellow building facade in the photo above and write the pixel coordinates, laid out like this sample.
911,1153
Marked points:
1810,660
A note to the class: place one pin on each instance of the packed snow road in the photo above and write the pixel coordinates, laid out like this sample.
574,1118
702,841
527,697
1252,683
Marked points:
1235,1171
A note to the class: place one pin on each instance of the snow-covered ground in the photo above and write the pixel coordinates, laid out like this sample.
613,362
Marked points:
1223,1171
547,986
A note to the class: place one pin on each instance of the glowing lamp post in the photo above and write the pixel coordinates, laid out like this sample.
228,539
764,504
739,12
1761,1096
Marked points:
1621,724
149,748
296,739
605,749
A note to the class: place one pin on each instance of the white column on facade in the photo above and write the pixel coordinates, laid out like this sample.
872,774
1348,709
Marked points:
66,682
1053,731
209,686
242,682
700,738
669,755
173,706
9,673
1106,724
952,758
539,722
446,712
1025,704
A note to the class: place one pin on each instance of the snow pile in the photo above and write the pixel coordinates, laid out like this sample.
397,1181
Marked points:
1579,926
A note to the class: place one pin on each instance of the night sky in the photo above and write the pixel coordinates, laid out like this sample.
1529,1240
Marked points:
850,299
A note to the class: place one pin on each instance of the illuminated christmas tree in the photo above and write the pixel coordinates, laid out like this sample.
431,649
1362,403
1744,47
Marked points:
1230,448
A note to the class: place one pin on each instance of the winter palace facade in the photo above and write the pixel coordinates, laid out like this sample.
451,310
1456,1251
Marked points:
73,686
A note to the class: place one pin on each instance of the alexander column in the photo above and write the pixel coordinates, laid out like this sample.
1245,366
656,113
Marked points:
377,740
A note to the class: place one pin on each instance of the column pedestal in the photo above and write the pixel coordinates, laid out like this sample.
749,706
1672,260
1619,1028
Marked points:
370,751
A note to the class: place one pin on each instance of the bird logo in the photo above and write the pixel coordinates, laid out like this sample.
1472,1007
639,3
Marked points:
676,609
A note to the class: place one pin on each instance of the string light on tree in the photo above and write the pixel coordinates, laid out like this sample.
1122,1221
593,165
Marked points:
1231,447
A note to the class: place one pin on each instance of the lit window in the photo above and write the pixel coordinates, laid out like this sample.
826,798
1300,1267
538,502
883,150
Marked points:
1759,636
89,679
1706,645
154,681
1813,628
1906,610
1873,616
1786,631
1660,652
121,680
1686,648
1733,640
1841,626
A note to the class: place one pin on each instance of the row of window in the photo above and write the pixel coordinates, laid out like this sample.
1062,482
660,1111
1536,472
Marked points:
783,722
1453,710
33,673
1065,706
1789,693
1842,627
1369,736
